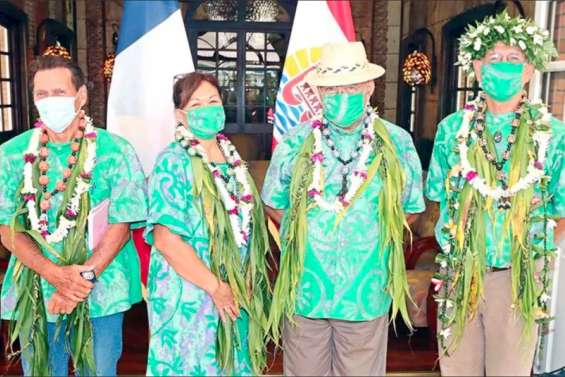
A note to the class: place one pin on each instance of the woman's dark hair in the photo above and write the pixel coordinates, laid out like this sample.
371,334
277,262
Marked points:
187,84
44,63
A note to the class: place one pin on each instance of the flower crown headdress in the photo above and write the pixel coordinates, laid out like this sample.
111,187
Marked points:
534,41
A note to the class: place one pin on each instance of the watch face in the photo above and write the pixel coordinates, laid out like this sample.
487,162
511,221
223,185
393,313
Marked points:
88,275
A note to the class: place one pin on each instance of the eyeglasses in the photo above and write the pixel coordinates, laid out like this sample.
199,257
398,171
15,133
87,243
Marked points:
349,89
510,58
179,76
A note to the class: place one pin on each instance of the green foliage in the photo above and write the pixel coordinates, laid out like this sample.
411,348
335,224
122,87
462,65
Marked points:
393,224
30,318
247,276
512,31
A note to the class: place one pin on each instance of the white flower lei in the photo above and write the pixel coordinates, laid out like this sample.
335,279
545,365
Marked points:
535,165
241,226
40,223
534,41
357,177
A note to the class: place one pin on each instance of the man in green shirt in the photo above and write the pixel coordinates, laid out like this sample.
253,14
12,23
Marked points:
69,194
498,171
341,184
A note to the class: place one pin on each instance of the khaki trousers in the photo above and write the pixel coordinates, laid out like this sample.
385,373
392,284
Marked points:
326,347
492,341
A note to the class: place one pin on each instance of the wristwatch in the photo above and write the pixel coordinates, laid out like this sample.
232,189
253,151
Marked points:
89,275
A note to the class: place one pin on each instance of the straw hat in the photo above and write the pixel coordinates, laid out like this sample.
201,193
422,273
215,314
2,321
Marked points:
343,64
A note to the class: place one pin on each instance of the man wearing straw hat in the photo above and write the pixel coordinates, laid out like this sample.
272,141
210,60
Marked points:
343,185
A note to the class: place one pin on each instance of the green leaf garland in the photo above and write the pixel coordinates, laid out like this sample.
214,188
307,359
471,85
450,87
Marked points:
393,224
29,323
247,277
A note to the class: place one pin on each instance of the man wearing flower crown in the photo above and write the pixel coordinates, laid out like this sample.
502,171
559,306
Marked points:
342,184
69,193
498,171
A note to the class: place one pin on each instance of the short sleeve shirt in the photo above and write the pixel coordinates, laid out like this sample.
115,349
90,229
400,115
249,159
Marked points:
117,176
345,268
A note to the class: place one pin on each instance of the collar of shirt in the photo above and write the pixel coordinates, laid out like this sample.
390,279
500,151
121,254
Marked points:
345,140
496,122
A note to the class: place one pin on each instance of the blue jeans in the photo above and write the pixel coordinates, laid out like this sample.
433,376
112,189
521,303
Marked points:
107,341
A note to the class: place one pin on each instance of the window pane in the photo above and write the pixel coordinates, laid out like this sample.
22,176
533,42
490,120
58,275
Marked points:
254,96
254,78
273,57
217,53
263,65
556,93
255,41
5,66
255,50
227,78
272,79
207,41
6,93
231,114
220,41
4,46
206,66
227,59
255,115
217,50
7,115
559,29
207,55
227,41
229,97
270,96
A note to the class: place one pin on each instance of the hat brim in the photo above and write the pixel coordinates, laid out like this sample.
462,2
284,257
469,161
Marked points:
371,72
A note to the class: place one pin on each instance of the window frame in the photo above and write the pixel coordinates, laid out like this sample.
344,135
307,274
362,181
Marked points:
545,18
241,28
451,32
16,21
546,358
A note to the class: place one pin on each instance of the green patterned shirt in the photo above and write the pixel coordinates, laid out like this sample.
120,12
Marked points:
498,239
345,269
117,176
183,319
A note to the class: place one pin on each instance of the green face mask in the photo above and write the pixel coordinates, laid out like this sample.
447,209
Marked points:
502,80
343,109
206,121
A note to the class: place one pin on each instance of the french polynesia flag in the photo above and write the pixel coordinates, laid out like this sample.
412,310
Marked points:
152,49
315,24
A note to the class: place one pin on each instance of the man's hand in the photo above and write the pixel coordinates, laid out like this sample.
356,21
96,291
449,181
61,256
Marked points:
69,283
60,305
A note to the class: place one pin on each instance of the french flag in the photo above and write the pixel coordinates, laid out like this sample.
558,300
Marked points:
152,49
316,23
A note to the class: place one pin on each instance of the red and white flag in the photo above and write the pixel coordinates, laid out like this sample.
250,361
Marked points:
315,24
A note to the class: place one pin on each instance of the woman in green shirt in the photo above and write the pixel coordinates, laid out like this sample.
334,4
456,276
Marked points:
208,286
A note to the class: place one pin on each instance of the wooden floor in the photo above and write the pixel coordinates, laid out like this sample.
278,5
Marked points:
405,354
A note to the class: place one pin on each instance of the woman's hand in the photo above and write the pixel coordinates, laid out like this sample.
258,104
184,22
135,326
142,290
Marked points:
224,301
